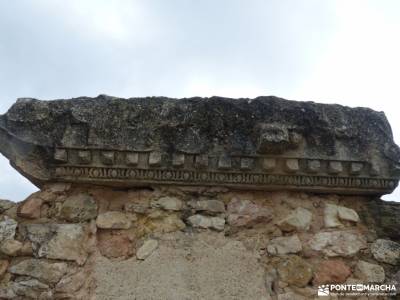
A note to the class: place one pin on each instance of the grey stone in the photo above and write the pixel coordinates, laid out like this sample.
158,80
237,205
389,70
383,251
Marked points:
369,273
244,213
296,271
79,208
5,205
338,243
7,228
331,216
348,214
205,222
168,203
284,245
10,247
334,213
29,288
43,270
208,206
148,247
299,219
114,220
58,241
144,136
386,251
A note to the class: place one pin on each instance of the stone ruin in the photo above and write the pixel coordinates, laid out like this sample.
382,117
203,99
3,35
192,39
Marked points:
198,198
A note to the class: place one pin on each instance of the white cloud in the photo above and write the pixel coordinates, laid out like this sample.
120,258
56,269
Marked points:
343,51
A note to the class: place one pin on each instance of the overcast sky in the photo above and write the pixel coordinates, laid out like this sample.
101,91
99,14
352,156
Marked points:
343,51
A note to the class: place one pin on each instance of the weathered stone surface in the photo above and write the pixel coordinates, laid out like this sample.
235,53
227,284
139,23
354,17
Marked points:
205,222
161,223
79,208
331,216
295,271
208,206
148,247
284,245
369,273
113,220
383,217
299,219
93,136
72,283
30,288
3,267
386,251
338,243
205,266
7,228
334,213
58,241
246,213
10,247
168,203
290,296
5,205
331,271
113,245
348,214
43,270
30,208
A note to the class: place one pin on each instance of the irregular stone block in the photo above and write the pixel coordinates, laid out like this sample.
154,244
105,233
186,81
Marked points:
205,222
299,219
30,288
266,135
43,270
148,247
331,271
369,273
338,243
246,213
284,245
113,220
10,247
79,208
113,245
58,241
168,203
5,205
208,206
7,228
348,214
332,214
294,270
30,208
386,251
3,267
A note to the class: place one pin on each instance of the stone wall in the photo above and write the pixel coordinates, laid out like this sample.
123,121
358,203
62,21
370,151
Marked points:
86,242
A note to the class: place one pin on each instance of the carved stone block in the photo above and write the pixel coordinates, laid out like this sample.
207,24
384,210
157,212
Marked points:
270,143
313,166
292,165
155,159
107,157
61,155
132,158
269,164
178,160
84,157
335,167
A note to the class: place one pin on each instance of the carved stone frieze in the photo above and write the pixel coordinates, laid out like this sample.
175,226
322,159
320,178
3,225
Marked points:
262,143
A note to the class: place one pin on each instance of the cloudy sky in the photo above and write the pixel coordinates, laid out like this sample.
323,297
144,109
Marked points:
333,51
